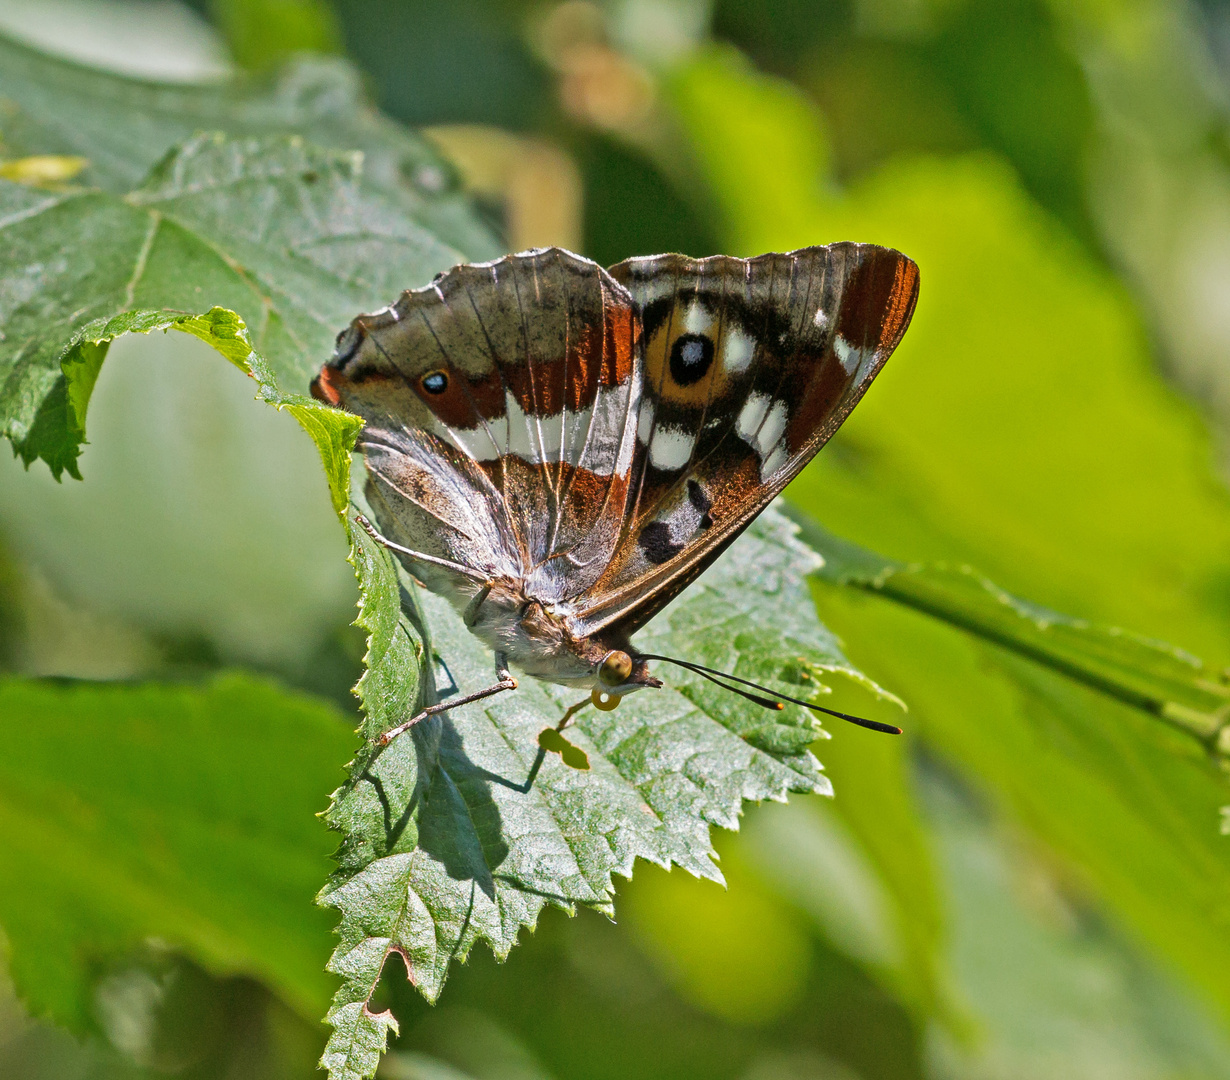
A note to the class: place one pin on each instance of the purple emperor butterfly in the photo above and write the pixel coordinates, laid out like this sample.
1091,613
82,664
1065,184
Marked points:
560,449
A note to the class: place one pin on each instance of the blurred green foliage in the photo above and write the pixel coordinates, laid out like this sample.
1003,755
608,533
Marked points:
194,847
1019,429
1034,881
263,33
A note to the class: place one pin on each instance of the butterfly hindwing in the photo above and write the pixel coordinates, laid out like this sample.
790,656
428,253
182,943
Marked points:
750,365
501,407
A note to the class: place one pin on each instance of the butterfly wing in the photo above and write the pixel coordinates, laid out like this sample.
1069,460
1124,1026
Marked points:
501,405
750,366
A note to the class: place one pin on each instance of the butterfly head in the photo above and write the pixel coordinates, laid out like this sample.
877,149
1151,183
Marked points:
615,669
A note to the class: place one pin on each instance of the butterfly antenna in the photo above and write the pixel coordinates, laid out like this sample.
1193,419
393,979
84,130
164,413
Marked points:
718,677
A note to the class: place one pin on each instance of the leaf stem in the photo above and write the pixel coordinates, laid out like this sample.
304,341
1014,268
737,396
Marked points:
1156,678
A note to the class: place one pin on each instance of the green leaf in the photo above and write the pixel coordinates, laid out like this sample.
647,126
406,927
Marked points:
291,238
194,846
123,127
1153,676
287,235
464,829
1021,429
445,839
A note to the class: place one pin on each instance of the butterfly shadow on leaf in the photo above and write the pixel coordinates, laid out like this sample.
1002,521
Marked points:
456,822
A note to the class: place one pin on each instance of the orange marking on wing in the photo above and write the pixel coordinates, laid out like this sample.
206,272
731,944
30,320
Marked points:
323,387
621,332
901,306
537,387
488,394
584,368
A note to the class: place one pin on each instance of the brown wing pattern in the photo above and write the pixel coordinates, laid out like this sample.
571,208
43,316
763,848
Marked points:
750,365
501,408
602,437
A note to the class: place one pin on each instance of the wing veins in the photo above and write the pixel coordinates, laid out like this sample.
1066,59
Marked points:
561,492
463,382
644,589
508,524
529,367
522,542
634,516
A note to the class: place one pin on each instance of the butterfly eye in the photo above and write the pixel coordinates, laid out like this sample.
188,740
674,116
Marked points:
615,668
434,382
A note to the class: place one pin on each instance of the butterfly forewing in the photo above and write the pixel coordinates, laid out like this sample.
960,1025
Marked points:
750,366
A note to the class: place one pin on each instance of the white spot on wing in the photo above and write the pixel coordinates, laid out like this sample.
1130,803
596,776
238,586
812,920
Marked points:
580,428
698,320
772,429
499,436
773,462
473,441
750,417
644,423
852,360
522,440
600,438
604,443
737,351
761,424
820,319
671,448
549,436
623,461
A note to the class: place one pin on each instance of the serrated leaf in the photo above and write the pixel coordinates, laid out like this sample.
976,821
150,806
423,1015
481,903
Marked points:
287,235
464,829
194,847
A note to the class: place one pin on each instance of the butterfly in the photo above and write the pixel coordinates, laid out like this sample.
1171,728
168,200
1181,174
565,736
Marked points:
560,450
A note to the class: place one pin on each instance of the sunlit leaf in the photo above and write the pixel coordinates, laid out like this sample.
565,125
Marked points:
288,236
464,829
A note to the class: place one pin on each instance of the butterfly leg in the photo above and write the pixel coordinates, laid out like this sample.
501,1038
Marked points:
507,682
470,615
419,556
566,720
